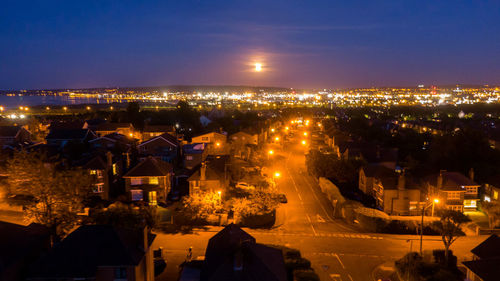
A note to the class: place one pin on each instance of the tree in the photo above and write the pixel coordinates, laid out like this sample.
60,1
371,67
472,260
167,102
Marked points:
125,216
201,204
450,228
57,192
492,209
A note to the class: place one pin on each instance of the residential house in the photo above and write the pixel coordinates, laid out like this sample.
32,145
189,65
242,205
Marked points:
114,141
242,144
395,193
151,131
164,146
101,171
100,253
492,189
216,139
68,124
61,137
485,264
456,191
213,175
233,254
149,181
10,135
20,246
122,128
193,154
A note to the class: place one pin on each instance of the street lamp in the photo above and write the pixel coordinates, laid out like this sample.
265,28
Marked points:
303,142
276,138
434,201
277,175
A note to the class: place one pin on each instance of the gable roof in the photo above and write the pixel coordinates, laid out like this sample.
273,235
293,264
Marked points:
88,247
451,180
150,167
19,241
233,245
489,248
378,171
69,134
165,137
112,126
487,270
95,163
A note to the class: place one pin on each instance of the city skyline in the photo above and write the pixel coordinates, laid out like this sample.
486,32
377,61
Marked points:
321,45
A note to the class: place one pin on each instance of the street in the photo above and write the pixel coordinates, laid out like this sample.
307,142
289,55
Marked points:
336,250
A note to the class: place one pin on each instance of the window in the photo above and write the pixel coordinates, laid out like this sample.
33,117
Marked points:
136,194
470,204
93,172
135,181
152,198
204,138
189,157
495,194
154,180
115,169
471,189
99,188
453,196
120,273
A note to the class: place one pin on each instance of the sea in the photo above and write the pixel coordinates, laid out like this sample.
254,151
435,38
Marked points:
14,101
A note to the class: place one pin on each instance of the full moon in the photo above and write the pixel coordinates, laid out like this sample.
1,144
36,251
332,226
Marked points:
258,67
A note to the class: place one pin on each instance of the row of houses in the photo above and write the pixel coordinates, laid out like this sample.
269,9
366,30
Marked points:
145,169
399,193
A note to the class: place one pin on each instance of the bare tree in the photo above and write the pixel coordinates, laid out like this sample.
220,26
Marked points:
450,228
57,192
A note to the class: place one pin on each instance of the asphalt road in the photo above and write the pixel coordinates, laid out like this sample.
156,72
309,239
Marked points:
336,250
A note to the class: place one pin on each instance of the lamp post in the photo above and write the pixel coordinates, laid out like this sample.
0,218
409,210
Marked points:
435,201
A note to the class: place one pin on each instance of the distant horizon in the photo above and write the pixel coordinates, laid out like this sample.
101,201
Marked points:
447,85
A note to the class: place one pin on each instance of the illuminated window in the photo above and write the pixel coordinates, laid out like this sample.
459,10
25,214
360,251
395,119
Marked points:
99,188
470,203
154,180
152,198
189,157
135,181
495,195
93,172
115,169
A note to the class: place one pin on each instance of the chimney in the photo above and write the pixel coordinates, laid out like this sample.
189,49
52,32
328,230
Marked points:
203,171
109,159
439,183
471,174
401,181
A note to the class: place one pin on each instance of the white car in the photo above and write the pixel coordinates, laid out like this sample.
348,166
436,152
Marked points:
244,185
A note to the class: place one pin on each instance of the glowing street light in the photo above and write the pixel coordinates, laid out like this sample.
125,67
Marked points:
433,202
271,152
276,138
304,142
272,130
88,107
305,134
277,175
217,144
1,108
65,108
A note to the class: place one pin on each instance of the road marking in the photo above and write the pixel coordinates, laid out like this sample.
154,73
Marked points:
319,218
308,218
349,275
335,277
337,256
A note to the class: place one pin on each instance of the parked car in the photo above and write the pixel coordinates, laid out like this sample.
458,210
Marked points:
244,185
282,198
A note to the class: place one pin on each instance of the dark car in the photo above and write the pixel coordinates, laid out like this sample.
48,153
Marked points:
282,198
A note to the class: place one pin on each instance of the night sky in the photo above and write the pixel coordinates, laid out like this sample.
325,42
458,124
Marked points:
303,44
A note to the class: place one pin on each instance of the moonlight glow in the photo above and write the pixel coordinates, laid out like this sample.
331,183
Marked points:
258,67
